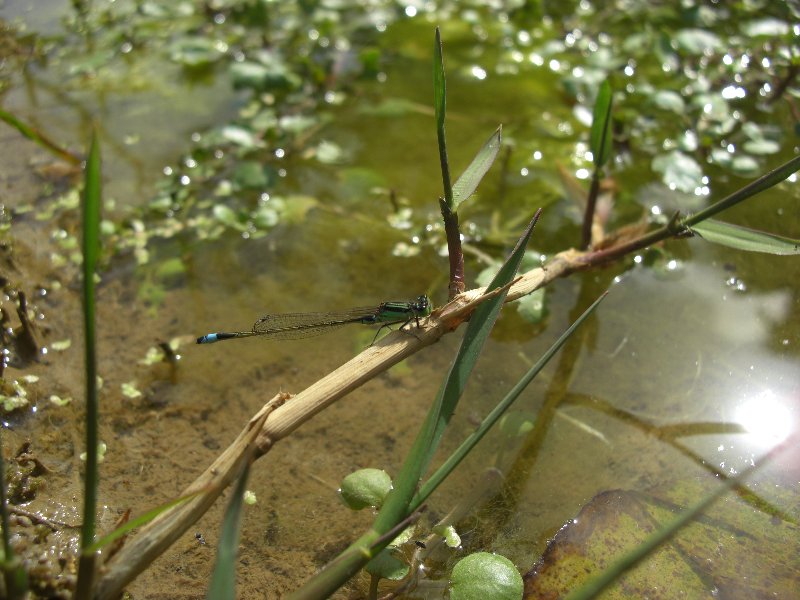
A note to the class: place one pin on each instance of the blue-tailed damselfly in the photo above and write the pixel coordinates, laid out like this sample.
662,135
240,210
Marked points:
289,326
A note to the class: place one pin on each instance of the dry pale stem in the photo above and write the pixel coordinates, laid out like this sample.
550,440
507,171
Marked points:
162,531
280,416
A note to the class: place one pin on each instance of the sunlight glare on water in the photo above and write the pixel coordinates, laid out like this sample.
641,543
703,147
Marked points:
767,419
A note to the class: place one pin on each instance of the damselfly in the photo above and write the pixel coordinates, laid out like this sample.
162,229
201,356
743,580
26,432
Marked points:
290,326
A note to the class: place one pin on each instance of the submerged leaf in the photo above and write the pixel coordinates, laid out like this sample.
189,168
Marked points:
679,171
196,51
618,520
761,146
386,566
532,307
669,100
697,41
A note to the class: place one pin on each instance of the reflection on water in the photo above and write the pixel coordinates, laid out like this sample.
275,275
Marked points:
767,418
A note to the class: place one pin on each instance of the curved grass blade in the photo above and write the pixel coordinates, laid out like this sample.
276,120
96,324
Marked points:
143,519
468,444
478,330
223,579
466,185
773,178
396,507
38,137
742,238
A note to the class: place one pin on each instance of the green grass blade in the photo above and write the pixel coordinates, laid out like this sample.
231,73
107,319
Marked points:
742,238
443,407
764,182
478,329
38,137
466,185
91,248
143,519
223,579
468,444
395,508
600,139
595,586
439,106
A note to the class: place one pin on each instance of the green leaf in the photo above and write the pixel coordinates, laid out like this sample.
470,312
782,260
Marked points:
271,73
483,575
480,325
241,137
767,27
761,146
743,238
600,140
38,137
497,412
669,100
365,488
744,165
443,407
223,579
466,185
532,307
386,566
92,202
697,41
679,171
196,51
251,175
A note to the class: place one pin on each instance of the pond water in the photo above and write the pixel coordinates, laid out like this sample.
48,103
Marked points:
689,368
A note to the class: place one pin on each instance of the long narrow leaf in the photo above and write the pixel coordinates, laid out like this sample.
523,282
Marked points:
743,238
774,177
600,139
468,444
466,185
38,137
91,248
138,522
395,509
223,579
595,586
478,329
443,407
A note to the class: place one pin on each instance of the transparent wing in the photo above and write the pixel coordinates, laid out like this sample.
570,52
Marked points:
288,326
